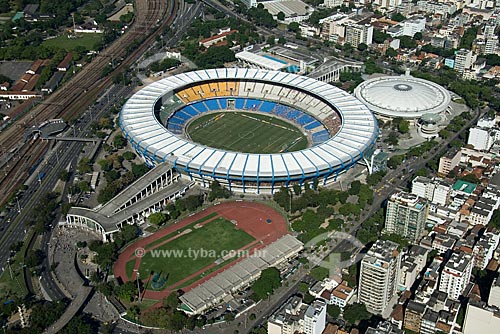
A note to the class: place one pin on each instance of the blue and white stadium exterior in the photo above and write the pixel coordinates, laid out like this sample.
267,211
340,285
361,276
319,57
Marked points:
353,139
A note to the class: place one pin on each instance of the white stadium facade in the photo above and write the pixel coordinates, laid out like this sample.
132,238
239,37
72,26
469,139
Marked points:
341,130
403,96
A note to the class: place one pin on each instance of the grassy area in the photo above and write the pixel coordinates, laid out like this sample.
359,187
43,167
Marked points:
129,268
182,257
170,235
246,132
88,41
14,287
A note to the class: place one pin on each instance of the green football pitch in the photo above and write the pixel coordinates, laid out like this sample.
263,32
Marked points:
246,132
194,251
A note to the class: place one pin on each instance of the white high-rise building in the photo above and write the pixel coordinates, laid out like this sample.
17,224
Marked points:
315,318
463,60
387,4
406,215
333,3
435,190
379,274
491,45
456,275
356,34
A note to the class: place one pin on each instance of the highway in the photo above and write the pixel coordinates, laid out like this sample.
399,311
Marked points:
62,155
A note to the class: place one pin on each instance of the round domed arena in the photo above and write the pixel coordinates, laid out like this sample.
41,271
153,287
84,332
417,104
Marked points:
253,130
403,96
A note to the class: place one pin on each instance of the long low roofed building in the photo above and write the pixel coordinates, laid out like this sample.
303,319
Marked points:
240,275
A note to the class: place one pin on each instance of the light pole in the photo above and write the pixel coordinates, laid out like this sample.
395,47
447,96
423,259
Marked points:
138,287
18,205
291,195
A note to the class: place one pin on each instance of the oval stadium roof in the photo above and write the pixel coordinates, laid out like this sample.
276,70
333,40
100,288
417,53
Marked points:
156,144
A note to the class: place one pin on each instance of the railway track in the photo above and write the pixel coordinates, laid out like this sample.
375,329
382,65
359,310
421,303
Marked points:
68,102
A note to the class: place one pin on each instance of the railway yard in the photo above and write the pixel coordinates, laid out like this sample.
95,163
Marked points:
81,91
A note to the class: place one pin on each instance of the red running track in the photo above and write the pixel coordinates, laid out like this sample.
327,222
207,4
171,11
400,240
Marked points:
251,217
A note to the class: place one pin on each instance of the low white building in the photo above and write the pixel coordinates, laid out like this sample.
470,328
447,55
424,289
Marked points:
294,10
482,139
339,296
408,27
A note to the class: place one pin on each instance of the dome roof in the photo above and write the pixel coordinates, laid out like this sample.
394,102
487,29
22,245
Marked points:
403,96
431,118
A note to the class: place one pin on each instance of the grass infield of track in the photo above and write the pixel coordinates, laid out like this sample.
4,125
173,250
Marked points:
215,237
246,132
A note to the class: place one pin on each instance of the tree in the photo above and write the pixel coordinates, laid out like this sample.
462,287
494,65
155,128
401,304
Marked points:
171,301
418,36
395,161
471,178
270,40
84,166
392,138
105,164
356,312
64,176
303,287
139,170
362,47
265,285
354,188
390,52
371,67
379,36
297,189
406,42
495,219
422,172
319,273
445,134
398,17
158,218
34,258
129,156
218,191
375,178
65,207
84,186
394,237
404,126
333,311
119,141
280,16
127,291
457,143
294,27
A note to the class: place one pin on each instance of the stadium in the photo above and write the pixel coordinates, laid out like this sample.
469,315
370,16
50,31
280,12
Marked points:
253,130
403,96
